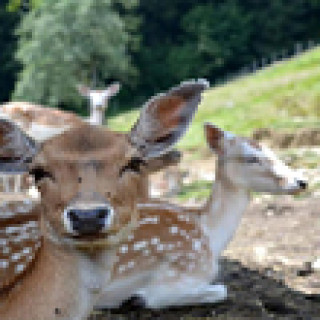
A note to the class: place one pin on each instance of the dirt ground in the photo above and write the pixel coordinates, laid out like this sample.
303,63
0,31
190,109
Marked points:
270,268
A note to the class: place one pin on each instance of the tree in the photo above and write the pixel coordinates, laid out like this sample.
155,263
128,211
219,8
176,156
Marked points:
9,67
67,42
15,5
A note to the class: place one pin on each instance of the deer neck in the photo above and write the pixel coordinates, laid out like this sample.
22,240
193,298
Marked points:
96,116
223,213
63,284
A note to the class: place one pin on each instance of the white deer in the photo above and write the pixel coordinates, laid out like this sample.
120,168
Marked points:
90,180
98,101
171,257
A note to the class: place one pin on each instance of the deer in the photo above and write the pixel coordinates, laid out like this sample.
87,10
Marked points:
89,179
98,101
171,257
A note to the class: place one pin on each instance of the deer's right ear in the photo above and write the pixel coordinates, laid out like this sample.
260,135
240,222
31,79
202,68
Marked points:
165,118
83,90
214,137
15,145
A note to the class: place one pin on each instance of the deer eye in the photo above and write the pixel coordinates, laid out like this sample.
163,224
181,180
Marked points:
134,165
40,173
252,160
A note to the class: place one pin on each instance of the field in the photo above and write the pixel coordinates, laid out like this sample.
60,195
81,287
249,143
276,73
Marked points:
284,95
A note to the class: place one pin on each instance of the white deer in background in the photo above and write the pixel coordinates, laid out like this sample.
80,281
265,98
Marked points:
98,101
171,257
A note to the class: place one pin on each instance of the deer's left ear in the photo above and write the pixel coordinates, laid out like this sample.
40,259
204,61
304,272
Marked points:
113,89
165,118
15,145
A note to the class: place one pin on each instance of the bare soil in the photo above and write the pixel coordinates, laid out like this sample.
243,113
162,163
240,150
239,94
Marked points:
269,268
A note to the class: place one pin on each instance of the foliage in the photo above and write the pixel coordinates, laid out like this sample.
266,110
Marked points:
15,5
64,43
167,41
211,38
8,68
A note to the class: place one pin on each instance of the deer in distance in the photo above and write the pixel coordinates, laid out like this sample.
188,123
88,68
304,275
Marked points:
171,257
98,101
89,178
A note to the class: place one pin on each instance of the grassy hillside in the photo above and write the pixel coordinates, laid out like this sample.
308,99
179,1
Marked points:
284,95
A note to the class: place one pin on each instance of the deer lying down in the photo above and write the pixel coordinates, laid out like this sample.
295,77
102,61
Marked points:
89,179
171,257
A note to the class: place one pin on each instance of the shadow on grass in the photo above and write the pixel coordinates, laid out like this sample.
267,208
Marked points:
252,295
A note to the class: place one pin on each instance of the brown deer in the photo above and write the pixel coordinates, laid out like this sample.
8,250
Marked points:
171,257
89,178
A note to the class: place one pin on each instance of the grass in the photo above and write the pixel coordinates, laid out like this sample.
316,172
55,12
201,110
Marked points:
197,190
284,95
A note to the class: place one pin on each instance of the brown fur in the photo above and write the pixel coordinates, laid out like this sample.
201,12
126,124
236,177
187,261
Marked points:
28,113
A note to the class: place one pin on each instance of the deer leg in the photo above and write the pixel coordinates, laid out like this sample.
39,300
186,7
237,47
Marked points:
6,184
187,291
17,183
120,291
171,286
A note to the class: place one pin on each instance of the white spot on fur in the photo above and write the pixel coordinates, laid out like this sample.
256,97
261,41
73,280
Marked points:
174,229
196,244
27,250
140,245
122,268
146,252
183,217
4,264
20,268
3,242
123,249
150,220
16,256
155,241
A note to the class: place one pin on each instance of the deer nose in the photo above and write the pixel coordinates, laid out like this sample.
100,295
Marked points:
89,221
302,184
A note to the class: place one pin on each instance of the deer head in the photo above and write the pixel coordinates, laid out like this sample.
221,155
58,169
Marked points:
98,100
89,177
246,164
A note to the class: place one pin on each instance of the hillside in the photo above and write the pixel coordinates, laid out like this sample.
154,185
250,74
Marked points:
284,95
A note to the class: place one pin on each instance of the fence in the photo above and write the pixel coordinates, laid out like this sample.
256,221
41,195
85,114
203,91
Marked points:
260,64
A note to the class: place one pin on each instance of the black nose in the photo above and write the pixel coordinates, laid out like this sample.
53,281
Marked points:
88,221
303,184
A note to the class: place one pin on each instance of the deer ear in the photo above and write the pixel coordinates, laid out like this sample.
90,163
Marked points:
165,118
83,90
15,145
213,136
113,89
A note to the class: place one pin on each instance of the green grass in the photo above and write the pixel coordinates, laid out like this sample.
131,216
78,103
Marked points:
284,95
198,190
